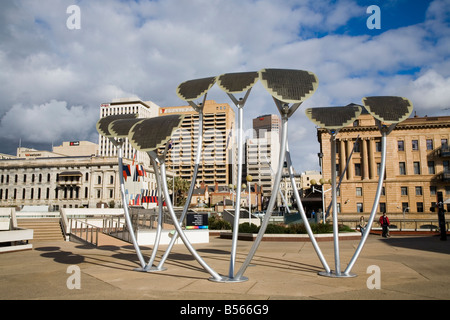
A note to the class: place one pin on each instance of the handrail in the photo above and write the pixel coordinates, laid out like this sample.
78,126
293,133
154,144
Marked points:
88,229
417,223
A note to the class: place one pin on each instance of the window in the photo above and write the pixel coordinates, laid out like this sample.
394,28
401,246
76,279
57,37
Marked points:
401,145
99,180
418,191
416,167
378,146
405,206
404,191
357,169
432,190
419,206
415,145
431,169
402,168
357,146
359,207
382,206
359,191
444,143
429,144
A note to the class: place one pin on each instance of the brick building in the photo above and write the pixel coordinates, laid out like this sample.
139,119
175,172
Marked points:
417,165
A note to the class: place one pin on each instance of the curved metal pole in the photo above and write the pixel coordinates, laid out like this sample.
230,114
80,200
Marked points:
273,197
215,275
125,206
375,204
302,211
160,214
190,192
237,210
337,259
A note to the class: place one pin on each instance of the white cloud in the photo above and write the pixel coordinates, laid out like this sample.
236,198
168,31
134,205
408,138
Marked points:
146,48
52,121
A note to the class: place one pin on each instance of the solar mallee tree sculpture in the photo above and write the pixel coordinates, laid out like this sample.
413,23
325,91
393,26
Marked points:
289,89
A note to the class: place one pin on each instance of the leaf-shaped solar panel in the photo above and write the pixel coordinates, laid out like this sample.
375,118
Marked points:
103,124
290,86
121,128
334,117
237,82
194,89
152,133
388,109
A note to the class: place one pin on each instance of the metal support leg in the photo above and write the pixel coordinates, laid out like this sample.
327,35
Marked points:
237,210
375,204
189,195
215,275
337,260
149,266
302,212
125,207
273,197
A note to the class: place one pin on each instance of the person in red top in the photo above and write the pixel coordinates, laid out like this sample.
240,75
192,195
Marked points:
384,221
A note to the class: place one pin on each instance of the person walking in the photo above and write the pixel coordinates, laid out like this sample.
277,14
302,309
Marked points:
384,221
362,225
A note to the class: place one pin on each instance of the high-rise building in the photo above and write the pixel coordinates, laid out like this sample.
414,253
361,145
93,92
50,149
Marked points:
263,152
268,122
417,165
217,151
144,109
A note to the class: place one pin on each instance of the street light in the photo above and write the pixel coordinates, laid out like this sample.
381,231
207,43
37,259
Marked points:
404,210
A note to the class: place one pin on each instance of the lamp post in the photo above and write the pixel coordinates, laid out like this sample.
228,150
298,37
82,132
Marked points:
249,179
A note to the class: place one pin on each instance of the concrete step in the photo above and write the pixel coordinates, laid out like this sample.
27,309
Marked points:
44,228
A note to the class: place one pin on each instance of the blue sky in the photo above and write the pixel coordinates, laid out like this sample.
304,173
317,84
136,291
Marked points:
54,79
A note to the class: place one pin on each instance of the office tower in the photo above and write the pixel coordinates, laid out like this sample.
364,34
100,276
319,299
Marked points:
263,151
218,138
145,109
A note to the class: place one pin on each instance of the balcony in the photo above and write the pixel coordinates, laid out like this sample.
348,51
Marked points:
69,178
444,151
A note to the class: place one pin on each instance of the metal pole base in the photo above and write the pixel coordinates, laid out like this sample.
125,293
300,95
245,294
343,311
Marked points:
332,274
151,269
228,279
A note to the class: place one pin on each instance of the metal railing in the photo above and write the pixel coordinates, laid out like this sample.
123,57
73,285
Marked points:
84,231
401,224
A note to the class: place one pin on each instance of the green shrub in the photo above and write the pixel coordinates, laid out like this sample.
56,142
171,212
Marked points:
275,228
246,227
217,223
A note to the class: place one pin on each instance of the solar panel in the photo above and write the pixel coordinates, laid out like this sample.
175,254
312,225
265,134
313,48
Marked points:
237,82
334,117
103,124
121,128
388,109
152,133
194,89
290,86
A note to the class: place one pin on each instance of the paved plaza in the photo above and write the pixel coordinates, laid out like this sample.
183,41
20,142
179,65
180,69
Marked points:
410,267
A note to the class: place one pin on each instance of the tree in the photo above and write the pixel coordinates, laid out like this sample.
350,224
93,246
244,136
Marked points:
180,189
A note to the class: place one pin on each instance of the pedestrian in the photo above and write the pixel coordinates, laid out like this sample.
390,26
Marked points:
384,221
362,225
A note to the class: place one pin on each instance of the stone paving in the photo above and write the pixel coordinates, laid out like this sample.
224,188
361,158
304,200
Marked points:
411,268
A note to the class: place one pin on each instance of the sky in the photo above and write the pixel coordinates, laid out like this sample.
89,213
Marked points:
61,59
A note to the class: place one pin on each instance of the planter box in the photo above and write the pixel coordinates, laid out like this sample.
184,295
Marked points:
292,237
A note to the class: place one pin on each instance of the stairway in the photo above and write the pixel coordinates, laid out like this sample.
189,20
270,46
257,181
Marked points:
45,229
